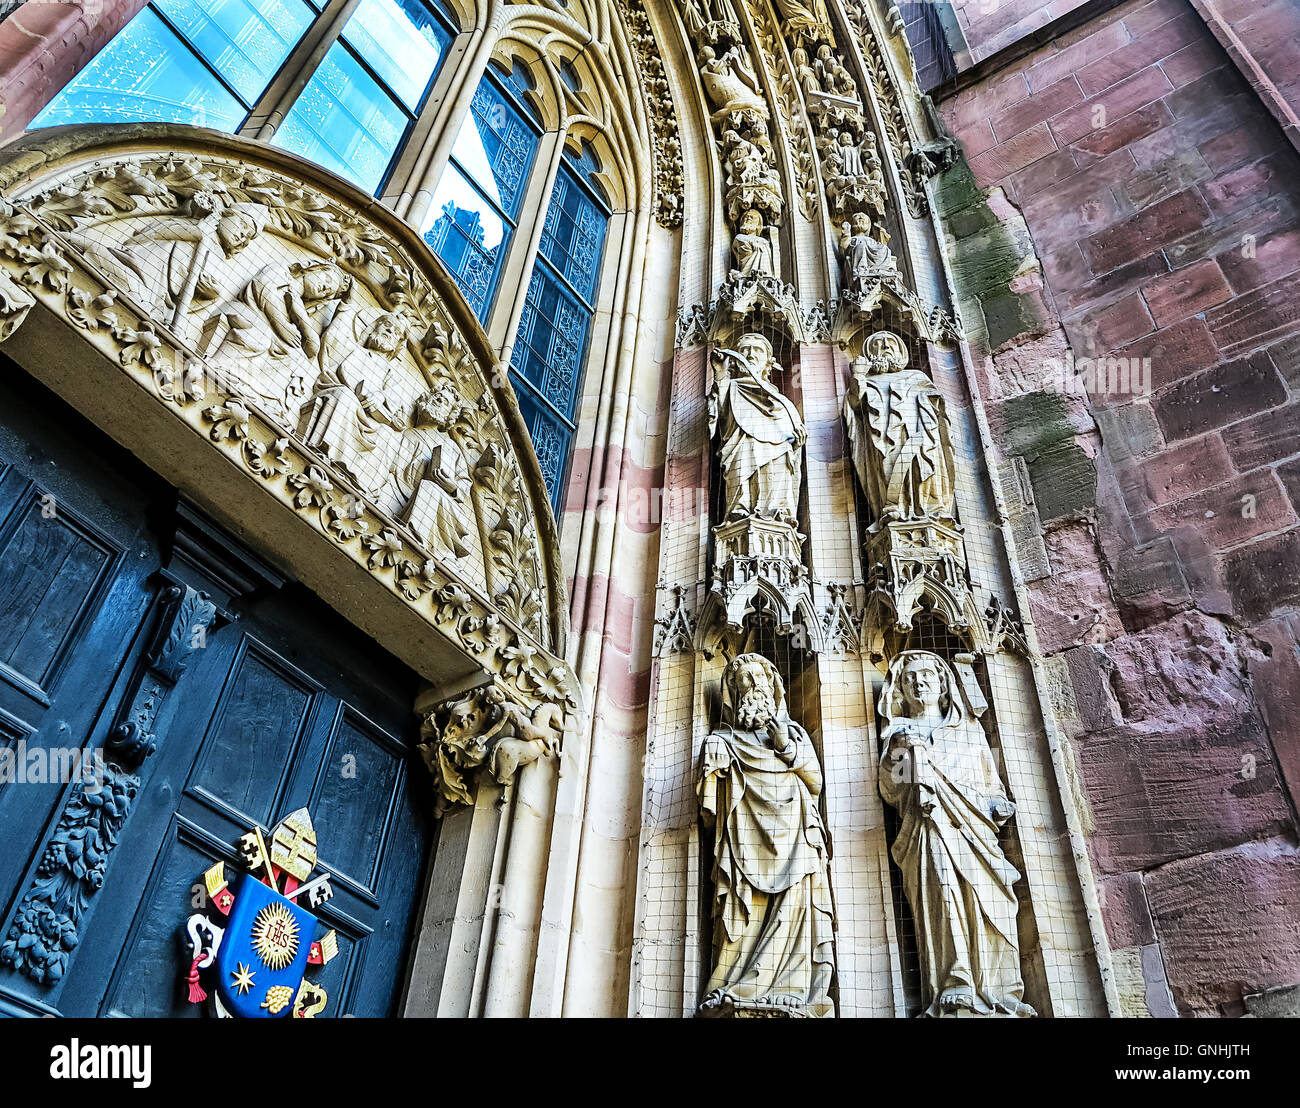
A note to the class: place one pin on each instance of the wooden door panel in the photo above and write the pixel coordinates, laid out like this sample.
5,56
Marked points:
353,796
253,736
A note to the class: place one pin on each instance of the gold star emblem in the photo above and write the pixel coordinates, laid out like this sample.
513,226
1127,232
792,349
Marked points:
243,979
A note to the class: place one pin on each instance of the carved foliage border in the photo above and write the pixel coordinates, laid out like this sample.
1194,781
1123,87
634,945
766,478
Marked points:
665,145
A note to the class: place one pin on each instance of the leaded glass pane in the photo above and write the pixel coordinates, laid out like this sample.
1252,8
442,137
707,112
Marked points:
552,339
466,232
495,147
573,234
245,40
144,73
551,441
401,41
344,121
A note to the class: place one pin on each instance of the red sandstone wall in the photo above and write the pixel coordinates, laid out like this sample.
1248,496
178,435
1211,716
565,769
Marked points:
990,25
1161,195
42,47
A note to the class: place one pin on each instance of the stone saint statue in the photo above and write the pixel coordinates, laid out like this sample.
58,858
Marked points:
759,789
899,434
351,418
938,771
753,254
761,434
866,258
431,471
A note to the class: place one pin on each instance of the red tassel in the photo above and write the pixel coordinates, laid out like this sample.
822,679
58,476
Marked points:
196,990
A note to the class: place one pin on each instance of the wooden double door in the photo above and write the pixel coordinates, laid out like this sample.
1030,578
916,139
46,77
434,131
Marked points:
281,704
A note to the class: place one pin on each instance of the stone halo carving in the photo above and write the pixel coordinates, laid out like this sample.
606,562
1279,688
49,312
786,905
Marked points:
199,198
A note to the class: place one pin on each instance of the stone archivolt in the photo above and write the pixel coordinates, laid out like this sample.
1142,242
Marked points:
298,339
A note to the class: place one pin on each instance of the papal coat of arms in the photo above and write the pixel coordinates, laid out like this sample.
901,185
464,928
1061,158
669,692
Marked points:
253,945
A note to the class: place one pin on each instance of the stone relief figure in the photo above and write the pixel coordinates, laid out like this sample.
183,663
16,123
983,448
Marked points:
282,309
759,788
351,419
898,432
745,163
753,253
938,771
866,258
834,78
432,473
801,16
191,252
761,434
730,82
804,73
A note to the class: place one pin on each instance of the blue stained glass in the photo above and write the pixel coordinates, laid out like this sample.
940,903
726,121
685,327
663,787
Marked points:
401,41
246,41
470,237
552,339
495,146
551,442
144,73
574,234
344,121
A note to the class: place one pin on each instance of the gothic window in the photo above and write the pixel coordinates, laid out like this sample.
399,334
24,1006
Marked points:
184,61
555,328
359,105
476,204
209,62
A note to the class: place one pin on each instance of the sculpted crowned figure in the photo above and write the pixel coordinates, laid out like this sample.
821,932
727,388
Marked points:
759,789
938,771
899,434
761,434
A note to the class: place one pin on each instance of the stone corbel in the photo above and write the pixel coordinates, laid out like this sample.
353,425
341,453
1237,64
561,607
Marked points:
483,731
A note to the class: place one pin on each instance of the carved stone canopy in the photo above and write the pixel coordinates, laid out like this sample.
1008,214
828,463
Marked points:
291,357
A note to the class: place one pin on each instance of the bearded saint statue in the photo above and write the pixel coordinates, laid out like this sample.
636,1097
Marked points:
761,435
759,788
938,771
898,432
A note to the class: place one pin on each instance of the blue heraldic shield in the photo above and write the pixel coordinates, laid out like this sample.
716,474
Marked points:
264,953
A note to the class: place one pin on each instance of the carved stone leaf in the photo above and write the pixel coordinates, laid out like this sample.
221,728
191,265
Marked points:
386,549
92,312
267,459
229,420
314,488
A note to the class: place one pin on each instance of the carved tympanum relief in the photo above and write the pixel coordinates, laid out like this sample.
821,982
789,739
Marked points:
759,788
938,771
310,350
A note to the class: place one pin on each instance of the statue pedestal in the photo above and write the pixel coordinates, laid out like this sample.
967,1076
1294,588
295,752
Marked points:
914,559
761,558
742,300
